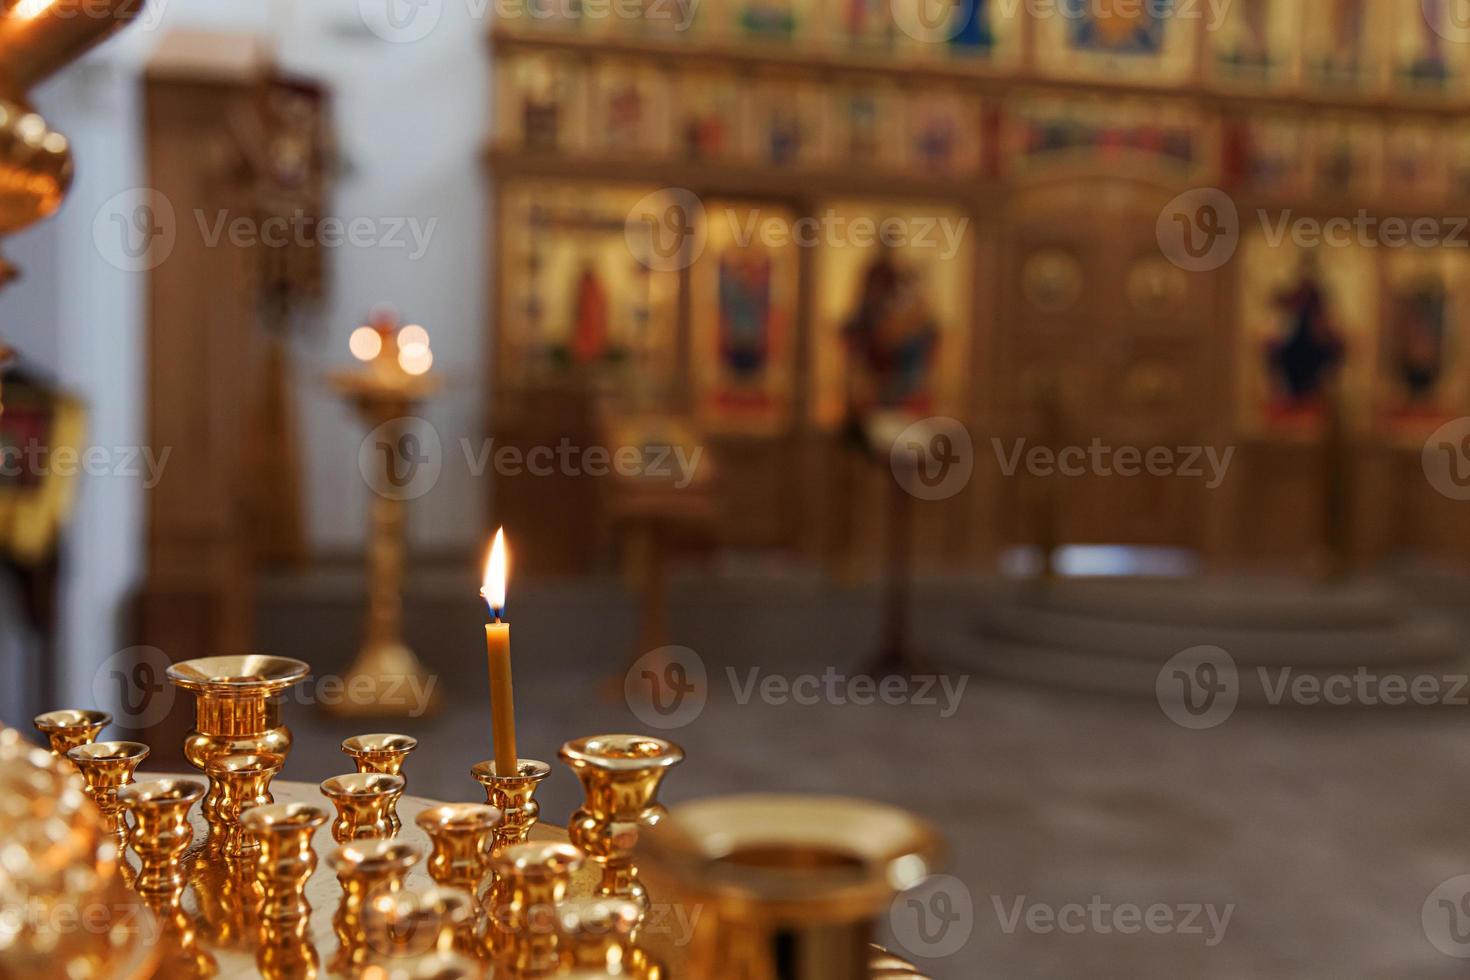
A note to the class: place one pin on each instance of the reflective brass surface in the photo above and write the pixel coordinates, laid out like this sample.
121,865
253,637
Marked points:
237,782
620,776
70,727
161,831
514,796
532,879
106,767
418,921
463,838
367,805
237,704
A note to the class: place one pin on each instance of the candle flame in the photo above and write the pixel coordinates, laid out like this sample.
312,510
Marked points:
493,588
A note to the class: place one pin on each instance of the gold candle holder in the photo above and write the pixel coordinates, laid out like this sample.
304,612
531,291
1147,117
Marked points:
787,886
229,893
70,727
514,796
620,775
380,752
462,835
237,782
366,803
237,706
161,830
106,767
418,921
597,934
522,934
286,860
366,869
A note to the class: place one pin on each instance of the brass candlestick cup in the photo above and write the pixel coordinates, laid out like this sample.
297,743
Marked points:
70,727
533,878
381,752
237,783
597,934
366,803
106,767
237,704
788,887
161,831
514,795
620,775
286,860
368,870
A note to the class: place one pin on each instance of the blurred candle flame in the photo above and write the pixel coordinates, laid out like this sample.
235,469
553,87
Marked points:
493,588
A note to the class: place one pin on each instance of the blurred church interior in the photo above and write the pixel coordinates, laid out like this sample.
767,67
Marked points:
556,230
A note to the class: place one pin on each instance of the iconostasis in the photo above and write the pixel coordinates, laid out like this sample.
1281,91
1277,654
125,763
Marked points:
793,110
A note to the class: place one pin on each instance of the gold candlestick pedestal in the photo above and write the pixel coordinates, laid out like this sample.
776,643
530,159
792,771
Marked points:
620,775
286,859
237,705
237,783
392,681
106,767
367,804
161,830
514,795
381,752
522,933
70,727
597,934
367,870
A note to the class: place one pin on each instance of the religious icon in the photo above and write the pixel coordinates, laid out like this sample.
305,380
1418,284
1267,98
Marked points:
708,109
1116,26
892,339
744,291
1310,346
1265,154
629,113
786,123
868,23
1418,327
1338,39
1346,155
1256,40
536,98
1422,56
1414,160
943,133
769,19
1051,280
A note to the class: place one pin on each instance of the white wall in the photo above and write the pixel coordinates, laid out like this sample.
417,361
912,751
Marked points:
411,119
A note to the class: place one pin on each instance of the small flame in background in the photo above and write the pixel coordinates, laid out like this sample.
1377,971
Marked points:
493,587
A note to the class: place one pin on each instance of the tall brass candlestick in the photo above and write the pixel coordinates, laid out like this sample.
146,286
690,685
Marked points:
497,649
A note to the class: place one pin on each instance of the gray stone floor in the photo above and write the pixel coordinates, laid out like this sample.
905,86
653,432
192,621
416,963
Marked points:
1321,832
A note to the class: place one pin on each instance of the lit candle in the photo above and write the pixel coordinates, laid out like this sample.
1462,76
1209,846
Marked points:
497,647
